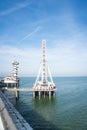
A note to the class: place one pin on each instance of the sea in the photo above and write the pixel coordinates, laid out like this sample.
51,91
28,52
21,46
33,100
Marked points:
66,111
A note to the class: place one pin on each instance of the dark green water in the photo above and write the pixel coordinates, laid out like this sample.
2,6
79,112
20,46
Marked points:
67,111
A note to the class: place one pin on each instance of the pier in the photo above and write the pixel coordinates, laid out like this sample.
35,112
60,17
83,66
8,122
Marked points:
44,91
12,118
43,85
27,89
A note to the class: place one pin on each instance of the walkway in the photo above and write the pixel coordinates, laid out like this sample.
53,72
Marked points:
29,89
1,123
10,114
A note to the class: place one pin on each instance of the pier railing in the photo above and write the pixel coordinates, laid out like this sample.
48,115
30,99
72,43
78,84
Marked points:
13,119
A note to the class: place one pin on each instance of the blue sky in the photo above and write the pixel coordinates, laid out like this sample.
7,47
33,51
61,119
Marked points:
25,23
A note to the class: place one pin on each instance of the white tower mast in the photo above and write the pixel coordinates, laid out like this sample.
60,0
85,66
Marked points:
44,71
15,69
13,79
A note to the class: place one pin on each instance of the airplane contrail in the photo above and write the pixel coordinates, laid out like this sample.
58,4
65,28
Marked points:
30,34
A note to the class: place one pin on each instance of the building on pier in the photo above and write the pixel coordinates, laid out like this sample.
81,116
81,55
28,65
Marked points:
44,79
13,80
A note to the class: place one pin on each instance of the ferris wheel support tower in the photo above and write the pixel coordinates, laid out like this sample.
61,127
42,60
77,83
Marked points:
44,79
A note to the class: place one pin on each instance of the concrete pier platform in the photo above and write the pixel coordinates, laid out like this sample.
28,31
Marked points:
1,124
11,117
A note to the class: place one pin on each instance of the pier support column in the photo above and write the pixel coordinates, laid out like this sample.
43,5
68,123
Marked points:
7,84
17,95
39,94
34,94
44,94
49,94
53,94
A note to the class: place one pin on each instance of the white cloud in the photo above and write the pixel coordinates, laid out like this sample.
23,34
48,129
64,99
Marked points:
29,59
64,59
67,56
15,8
68,59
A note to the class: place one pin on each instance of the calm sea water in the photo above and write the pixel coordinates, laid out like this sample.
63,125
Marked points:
67,111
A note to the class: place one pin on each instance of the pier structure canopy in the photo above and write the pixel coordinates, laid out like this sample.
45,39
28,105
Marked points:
44,79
